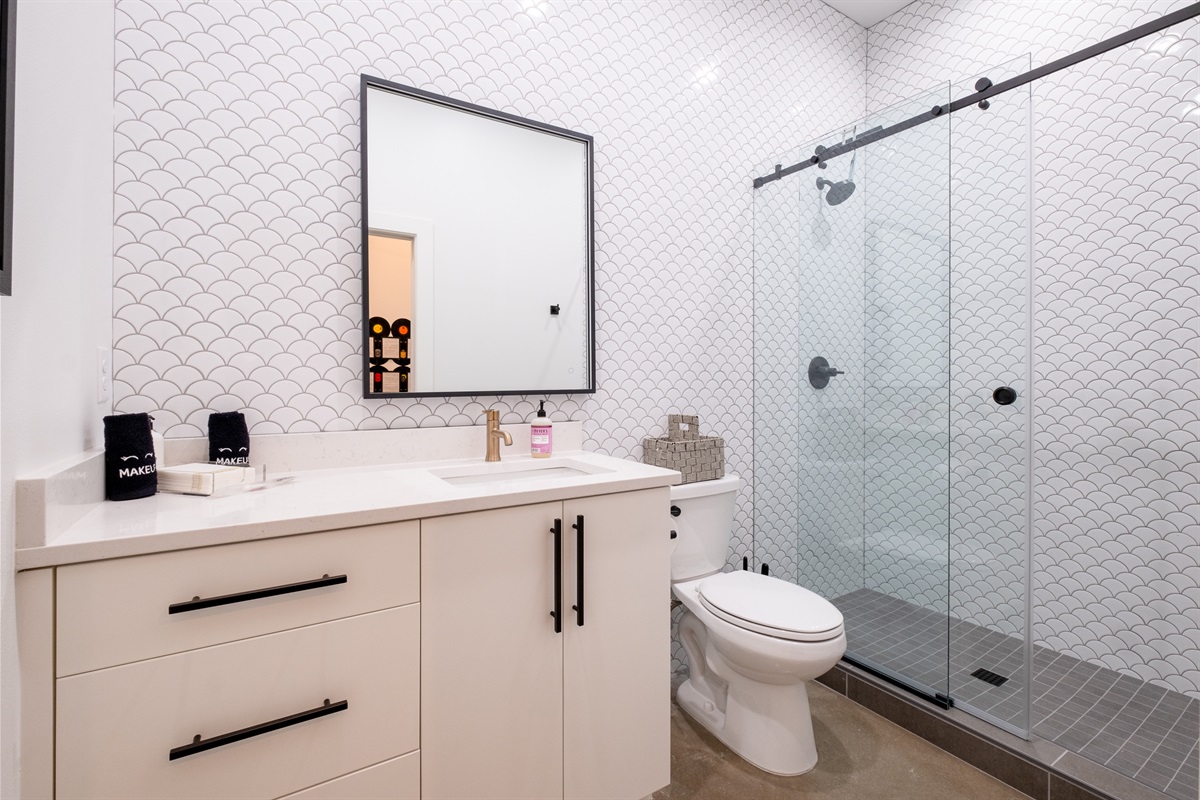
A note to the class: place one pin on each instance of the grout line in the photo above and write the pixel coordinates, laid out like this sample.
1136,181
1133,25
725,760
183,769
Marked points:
1115,716
1150,758
1083,715
1182,764
1135,731
1059,707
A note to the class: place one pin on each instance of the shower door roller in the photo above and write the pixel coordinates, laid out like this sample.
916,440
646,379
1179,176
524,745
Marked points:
1005,395
819,372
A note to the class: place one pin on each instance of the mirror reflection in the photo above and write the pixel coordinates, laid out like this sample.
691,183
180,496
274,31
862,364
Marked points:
477,249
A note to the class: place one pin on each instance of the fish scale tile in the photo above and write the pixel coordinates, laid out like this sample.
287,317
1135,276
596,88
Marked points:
1116,328
1108,315
236,272
236,234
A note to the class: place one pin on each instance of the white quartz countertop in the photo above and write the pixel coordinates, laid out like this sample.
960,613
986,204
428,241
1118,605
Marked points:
321,500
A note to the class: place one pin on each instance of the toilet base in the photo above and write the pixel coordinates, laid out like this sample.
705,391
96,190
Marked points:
768,725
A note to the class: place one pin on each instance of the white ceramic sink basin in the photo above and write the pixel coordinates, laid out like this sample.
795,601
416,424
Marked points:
506,472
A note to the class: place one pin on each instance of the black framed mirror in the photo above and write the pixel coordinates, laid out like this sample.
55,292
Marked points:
478,255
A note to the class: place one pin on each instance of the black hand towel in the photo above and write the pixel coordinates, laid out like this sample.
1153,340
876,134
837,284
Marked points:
228,439
130,470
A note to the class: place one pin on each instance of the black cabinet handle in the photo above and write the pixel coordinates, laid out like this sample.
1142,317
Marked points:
199,745
557,612
578,526
195,604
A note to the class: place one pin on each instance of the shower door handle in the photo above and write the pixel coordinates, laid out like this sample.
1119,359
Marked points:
1005,396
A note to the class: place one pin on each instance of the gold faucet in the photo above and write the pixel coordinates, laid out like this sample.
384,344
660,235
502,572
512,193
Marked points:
494,435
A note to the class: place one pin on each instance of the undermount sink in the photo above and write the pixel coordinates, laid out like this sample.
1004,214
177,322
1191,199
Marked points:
505,472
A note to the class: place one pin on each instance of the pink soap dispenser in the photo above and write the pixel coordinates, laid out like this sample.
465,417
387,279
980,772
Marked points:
541,434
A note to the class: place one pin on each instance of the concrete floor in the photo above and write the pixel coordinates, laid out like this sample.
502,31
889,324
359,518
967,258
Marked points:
862,756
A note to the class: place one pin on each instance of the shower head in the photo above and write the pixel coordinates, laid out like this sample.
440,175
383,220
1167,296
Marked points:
838,192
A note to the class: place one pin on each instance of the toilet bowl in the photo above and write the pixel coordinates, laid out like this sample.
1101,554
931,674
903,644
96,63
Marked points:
752,641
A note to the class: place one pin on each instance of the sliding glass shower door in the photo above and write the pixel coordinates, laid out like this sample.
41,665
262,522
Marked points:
899,615
852,280
873,269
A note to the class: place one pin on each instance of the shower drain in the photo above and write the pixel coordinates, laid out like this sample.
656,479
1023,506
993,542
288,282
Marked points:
987,676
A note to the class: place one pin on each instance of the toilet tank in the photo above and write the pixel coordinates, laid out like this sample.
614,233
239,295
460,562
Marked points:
704,526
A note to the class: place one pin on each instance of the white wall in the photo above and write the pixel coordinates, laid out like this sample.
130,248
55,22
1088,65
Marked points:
61,304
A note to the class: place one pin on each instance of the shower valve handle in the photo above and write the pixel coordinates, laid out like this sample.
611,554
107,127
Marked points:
819,372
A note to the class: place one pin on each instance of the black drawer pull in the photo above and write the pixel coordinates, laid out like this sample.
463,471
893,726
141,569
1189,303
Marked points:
195,604
199,745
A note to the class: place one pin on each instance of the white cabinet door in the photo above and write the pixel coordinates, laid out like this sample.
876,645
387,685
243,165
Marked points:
491,662
617,665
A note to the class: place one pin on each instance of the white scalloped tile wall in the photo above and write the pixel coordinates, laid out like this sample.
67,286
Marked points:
1116,318
237,278
236,270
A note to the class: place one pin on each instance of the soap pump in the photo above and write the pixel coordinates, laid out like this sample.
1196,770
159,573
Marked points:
541,434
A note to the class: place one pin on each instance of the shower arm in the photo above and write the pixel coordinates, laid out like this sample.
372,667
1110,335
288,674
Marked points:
854,156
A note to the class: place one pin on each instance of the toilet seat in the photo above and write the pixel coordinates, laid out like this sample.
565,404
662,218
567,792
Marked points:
770,606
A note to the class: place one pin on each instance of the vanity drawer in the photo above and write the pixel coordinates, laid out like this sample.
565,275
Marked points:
398,779
119,611
117,727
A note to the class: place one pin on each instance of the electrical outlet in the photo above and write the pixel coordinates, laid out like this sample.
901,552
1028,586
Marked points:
103,375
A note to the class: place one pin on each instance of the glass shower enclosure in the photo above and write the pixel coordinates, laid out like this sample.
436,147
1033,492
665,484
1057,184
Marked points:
891,389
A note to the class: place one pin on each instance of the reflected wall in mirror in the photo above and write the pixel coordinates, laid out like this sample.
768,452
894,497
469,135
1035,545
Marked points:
477,249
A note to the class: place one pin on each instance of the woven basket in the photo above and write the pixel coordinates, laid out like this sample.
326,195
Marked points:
698,458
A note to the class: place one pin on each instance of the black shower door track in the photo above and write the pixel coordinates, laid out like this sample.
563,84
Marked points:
943,701
984,89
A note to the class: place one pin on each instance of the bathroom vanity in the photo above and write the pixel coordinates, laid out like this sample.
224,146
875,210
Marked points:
446,629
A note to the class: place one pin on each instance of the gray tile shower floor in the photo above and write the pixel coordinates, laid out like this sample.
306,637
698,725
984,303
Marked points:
1143,731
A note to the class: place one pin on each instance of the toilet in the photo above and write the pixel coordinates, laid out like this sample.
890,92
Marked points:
752,641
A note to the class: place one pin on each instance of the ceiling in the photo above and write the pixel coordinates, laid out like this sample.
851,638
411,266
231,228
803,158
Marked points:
868,12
